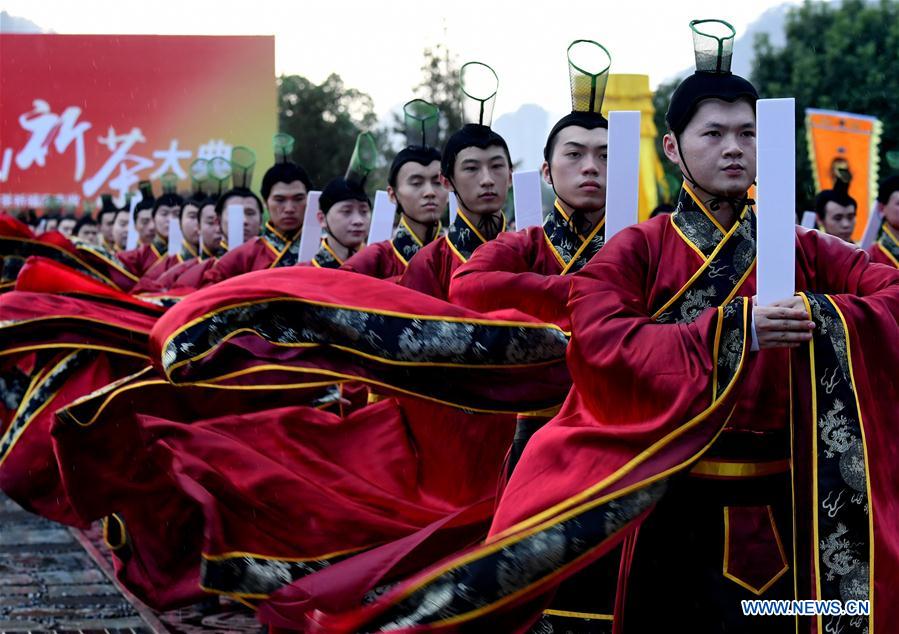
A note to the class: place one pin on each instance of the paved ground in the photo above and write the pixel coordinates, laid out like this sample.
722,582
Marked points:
55,579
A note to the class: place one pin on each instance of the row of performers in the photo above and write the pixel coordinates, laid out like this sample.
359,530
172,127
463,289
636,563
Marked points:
556,433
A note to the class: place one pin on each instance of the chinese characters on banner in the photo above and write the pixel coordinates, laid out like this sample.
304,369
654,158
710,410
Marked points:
82,115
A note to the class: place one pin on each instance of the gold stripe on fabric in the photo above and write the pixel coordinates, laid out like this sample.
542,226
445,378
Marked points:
705,265
816,553
888,254
689,189
740,582
580,615
735,469
861,427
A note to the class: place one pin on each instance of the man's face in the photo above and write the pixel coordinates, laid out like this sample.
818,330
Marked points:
891,210
210,229
88,233
481,179
146,229
51,224
420,192
252,216
718,146
839,220
161,219
120,229
348,221
107,221
287,205
66,226
190,224
580,159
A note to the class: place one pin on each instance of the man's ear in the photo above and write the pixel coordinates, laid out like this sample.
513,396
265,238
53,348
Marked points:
547,176
391,194
447,185
669,145
321,219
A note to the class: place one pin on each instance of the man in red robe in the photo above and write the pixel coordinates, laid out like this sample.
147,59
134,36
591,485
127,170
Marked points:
344,214
836,211
284,188
106,219
681,423
188,275
886,249
413,185
159,210
189,219
529,269
476,165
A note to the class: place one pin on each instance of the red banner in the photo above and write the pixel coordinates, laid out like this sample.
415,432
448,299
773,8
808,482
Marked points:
84,114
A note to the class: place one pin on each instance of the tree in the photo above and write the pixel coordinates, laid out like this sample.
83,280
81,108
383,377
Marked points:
837,57
325,120
440,86
660,99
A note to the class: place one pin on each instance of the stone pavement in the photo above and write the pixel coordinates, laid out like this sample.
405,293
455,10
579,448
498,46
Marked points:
56,579
48,581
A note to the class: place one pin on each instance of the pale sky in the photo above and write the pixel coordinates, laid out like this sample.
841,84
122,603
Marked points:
376,46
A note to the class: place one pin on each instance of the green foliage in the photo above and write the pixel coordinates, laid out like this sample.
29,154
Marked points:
836,57
325,120
440,86
660,99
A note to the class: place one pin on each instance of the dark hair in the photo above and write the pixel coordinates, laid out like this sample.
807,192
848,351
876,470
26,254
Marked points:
340,189
588,120
143,205
414,154
167,200
471,135
701,86
886,189
243,192
830,195
83,221
283,173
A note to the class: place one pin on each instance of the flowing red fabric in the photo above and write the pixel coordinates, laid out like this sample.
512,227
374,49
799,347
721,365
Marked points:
301,484
254,255
377,260
138,261
231,358
879,256
515,270
660,379
431,269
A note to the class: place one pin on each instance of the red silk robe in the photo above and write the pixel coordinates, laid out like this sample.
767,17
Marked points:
140,260
432,267
83,335
690,396
527,270
388,259
886,249
271,249
163,265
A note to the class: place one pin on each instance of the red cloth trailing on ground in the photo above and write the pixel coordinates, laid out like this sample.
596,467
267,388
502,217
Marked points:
680,377
289,491
328,323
